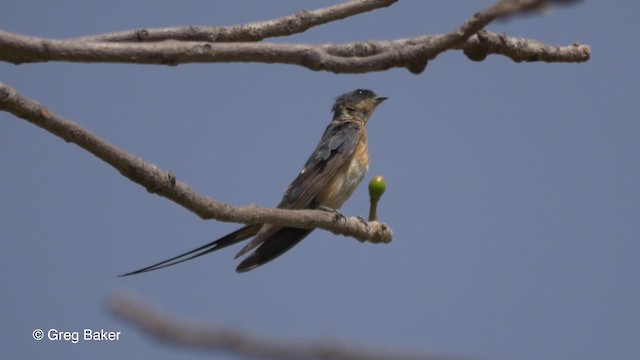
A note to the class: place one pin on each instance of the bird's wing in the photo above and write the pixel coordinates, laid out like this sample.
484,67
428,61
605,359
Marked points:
230,239
335,148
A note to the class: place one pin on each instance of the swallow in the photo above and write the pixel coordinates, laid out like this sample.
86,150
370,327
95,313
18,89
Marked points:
329,177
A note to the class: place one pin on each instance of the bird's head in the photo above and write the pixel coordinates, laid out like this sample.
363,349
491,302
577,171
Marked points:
358,104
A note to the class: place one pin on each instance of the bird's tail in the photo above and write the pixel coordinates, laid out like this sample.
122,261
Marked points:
233,238
283,240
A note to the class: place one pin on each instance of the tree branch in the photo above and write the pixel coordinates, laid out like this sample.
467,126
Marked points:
257,31
484,43
164,183
357,57
172,331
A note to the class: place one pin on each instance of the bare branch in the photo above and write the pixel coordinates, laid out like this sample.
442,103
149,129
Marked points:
257,31
172,331
484,43
164,183
358,57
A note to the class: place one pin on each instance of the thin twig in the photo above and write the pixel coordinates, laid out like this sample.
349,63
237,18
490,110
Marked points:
164,183
257,31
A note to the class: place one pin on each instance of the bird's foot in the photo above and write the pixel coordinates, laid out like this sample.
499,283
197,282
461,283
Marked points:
363,221
337,214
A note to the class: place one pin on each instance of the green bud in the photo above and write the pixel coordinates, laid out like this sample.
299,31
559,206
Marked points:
377,186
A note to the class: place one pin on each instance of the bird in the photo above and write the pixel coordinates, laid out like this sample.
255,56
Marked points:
329,177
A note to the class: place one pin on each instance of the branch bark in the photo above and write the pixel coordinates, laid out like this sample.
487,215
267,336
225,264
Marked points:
357,57
164,183
169,330
284,26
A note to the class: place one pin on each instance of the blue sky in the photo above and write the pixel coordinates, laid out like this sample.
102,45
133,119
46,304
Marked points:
512,189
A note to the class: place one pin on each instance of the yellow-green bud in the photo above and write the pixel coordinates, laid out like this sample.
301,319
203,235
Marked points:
377,186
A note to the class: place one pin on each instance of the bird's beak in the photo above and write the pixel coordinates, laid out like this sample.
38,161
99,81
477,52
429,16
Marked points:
380,99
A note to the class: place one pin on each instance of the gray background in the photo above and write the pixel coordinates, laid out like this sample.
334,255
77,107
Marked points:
513,189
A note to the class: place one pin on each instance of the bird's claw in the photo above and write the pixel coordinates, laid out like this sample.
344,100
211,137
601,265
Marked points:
364,222
337,214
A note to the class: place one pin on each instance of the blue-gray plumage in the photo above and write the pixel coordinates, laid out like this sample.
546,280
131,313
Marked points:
327,180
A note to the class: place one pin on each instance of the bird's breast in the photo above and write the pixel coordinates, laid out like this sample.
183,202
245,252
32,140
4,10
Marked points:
345,182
